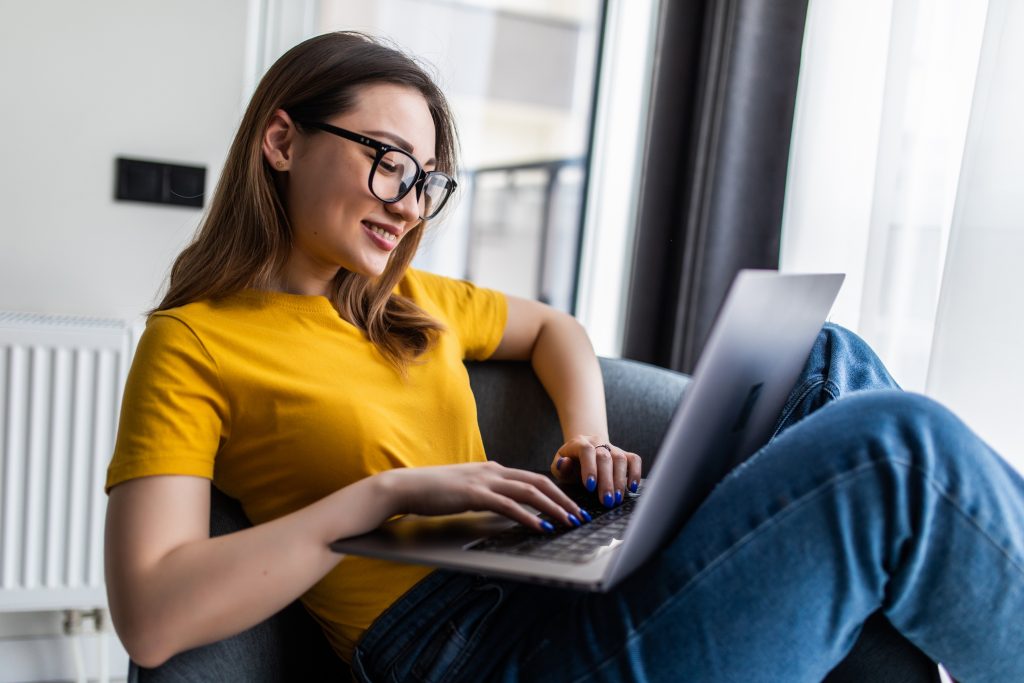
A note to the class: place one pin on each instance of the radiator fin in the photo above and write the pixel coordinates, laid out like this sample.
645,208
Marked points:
61,379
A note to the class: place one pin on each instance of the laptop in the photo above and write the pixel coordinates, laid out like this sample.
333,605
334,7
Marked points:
754,354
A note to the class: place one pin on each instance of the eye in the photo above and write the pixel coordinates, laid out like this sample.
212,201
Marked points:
394,163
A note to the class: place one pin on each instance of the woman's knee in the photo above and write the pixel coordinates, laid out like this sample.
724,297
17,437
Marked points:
849,362
840,363
899,409
906,427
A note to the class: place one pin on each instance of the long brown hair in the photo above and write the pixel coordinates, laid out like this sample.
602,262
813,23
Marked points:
245,238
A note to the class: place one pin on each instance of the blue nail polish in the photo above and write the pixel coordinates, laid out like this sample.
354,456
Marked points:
546,526
618,497
591,483
634,486
609,500
572,520
586,515
558,465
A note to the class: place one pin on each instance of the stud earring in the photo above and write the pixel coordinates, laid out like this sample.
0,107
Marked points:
280,164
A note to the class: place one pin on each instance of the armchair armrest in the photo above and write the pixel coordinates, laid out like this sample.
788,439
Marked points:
520,427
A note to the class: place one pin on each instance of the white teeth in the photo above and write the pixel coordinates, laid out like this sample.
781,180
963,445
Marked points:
383,233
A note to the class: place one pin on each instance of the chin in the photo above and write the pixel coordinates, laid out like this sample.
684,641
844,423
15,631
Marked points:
370,269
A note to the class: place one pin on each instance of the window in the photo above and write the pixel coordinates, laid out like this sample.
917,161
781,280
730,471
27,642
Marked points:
520,76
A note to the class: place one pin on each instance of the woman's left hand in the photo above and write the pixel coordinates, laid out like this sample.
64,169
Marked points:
600,466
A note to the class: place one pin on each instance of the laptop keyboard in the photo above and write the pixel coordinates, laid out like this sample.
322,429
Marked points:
577,545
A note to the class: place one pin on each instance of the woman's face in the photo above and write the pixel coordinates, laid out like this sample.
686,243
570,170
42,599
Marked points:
336,221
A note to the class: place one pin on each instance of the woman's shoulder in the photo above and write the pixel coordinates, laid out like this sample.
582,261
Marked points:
191,317
203,319
186,316
420,285
245,307
477,314
416,279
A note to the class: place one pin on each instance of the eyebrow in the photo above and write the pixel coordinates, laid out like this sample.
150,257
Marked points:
391,137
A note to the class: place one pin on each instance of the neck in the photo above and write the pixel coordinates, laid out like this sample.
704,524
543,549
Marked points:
307,281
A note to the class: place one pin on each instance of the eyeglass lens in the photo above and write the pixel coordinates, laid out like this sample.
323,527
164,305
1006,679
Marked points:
397,171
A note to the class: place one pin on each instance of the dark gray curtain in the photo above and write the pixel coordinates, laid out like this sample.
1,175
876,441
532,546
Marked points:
714,171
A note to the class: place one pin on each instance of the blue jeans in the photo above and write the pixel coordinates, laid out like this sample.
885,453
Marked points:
882,500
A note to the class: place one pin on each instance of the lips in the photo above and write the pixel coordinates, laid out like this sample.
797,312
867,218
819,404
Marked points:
384,236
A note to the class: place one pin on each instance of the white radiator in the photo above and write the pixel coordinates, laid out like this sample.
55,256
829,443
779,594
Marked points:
60,390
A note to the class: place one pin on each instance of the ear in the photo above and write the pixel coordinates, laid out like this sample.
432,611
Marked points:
279,141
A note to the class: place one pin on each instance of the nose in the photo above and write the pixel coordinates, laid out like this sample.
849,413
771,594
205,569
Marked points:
408,207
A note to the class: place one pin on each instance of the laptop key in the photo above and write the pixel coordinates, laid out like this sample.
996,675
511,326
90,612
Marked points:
577,545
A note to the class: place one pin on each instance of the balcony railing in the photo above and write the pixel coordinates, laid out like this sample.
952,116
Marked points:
525,225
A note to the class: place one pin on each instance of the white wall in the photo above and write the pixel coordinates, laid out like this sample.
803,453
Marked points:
85,82
80,84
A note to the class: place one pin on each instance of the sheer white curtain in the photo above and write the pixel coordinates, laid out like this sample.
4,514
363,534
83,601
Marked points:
977,360
907,148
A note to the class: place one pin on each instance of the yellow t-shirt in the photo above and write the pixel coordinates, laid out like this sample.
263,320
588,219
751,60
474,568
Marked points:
281,402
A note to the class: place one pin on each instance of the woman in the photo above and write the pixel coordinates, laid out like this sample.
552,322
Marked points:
298,362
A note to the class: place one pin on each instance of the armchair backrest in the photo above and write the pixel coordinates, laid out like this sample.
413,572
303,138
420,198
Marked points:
520,427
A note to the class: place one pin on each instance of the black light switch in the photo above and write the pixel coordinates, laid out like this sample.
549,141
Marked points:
160,183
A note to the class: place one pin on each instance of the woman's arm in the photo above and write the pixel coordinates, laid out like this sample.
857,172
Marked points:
563,359
171,587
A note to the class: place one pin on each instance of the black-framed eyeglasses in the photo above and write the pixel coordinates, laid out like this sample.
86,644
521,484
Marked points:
394,172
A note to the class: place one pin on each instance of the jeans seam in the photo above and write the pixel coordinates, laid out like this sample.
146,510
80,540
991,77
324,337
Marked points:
450,673
944,495
810,384
469,643
778,517
408,640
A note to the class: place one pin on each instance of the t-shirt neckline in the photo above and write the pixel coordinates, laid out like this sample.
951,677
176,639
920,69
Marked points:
301,302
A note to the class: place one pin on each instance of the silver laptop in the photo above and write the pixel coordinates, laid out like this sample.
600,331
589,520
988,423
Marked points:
757,347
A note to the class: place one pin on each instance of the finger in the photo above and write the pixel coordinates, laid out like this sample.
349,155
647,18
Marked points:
574,513
586,457
565,510
605,476
509,507
529,494
634,471
620,471
564,467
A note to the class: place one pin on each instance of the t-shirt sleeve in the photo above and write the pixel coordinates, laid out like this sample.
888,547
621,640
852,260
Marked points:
477,315
174,414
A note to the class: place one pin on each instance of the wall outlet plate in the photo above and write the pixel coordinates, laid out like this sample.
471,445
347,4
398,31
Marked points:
160,182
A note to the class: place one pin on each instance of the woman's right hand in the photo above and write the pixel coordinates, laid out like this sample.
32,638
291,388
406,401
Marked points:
449,489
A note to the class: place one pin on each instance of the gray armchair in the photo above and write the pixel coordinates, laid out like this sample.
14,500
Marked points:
520,429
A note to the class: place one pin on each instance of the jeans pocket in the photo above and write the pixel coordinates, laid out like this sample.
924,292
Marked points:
451,644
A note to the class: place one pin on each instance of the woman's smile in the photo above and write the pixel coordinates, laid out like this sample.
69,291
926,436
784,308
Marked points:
383,235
